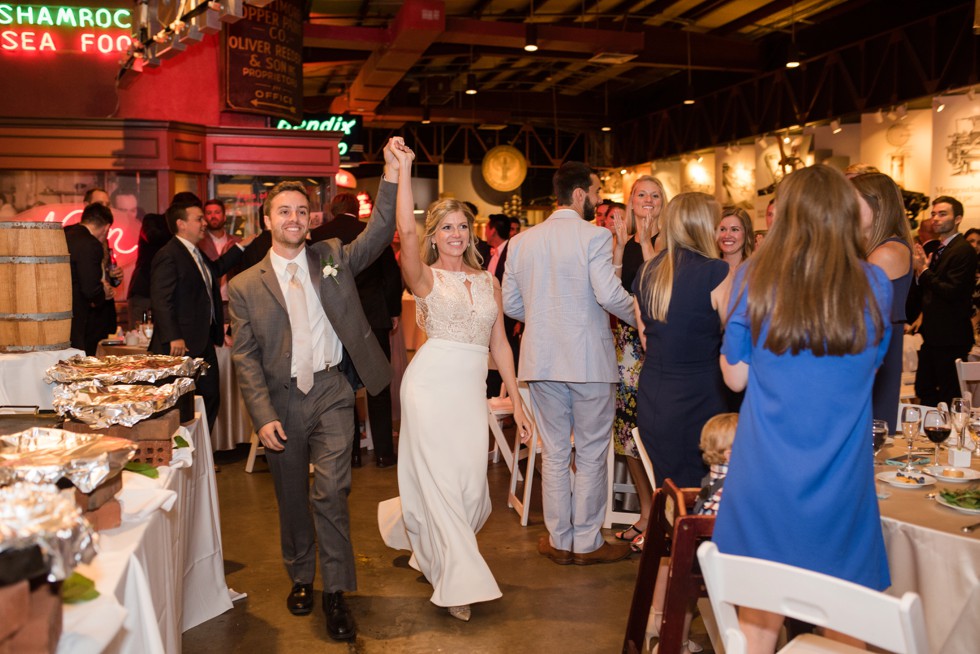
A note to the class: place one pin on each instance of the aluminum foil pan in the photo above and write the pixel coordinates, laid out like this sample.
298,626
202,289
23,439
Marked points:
99,405
130,369
38,514
41,455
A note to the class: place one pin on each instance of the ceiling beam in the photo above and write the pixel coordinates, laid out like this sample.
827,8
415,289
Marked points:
413,30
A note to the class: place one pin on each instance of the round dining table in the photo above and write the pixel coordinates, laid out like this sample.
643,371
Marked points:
928,552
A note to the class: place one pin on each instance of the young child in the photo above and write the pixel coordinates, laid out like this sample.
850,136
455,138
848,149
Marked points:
717,436
716,444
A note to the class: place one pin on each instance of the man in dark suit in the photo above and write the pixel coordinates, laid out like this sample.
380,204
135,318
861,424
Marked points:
498,236
301,344
380,288
89,293
944,282
186,298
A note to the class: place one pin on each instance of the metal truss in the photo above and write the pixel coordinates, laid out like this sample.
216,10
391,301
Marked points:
927,57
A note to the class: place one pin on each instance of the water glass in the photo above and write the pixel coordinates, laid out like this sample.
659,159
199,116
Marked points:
959,410
911,418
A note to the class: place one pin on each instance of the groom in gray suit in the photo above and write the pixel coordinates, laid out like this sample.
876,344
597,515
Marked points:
301,347
559,280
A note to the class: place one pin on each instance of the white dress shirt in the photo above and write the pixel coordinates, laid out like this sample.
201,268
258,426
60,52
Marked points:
327,348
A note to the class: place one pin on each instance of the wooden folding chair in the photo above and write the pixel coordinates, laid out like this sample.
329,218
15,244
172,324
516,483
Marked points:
671,533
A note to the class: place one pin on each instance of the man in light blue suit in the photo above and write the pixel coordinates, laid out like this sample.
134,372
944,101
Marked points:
559,280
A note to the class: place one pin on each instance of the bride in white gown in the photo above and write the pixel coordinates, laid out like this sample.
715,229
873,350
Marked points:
442,449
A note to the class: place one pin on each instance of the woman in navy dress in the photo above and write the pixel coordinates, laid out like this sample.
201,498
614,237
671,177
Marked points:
889,246
680,301
800,488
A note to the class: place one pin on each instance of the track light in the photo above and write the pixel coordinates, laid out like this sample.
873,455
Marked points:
835,127
787,140
939,104
892,114
531,37
879,116
470,84
728,150
902,111
763,142
971,94
426,116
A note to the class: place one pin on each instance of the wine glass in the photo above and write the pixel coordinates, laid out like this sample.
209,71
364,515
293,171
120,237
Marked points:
879,430
937,426
959,410
911,417
974,428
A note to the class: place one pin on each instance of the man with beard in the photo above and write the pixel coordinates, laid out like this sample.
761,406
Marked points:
216,240
559,280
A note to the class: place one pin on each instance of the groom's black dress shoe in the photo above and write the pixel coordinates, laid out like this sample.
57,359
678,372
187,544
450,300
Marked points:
300,600
340,622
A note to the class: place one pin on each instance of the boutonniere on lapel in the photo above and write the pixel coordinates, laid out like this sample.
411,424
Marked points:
330,269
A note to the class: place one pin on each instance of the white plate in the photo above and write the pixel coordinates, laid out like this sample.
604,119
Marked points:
968,474
892,477
961,509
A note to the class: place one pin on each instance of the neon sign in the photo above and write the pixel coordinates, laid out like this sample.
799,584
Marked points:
21,35
349,125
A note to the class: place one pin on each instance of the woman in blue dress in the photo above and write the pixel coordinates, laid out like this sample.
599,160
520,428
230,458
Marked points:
807,328
680,301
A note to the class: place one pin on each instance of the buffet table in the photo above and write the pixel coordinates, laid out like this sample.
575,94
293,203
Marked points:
233,424
162,571
22,377
928,554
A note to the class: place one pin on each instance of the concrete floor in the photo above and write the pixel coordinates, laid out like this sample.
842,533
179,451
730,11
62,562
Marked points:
545,607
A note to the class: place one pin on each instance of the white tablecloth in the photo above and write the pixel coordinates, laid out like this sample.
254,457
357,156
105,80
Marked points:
21,377
163,567
233,425
928,554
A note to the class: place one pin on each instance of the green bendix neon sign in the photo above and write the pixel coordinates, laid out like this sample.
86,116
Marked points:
334,123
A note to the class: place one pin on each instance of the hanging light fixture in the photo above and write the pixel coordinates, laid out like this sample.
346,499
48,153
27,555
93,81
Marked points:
531,37
793,55
470,84
426,115
835,127
606,126
689,96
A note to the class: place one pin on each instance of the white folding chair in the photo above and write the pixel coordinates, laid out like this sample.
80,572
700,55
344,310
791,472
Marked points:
498,409
522,504
624,517
968,373
890,623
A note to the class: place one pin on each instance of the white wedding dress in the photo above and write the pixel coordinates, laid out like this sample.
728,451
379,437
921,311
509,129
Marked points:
442,447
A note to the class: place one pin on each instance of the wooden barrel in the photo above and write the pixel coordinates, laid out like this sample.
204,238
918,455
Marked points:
35,287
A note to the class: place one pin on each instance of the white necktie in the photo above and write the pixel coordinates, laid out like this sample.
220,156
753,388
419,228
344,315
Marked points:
299,321
206,274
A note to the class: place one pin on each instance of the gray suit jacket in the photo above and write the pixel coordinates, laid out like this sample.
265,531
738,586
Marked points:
560,282
260,321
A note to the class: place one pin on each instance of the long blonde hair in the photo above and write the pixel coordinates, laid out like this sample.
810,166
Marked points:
887,209
631,227
808,281
688,223
436,213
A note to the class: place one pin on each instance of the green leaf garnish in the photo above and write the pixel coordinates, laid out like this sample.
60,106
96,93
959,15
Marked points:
77,589
142,469
180,442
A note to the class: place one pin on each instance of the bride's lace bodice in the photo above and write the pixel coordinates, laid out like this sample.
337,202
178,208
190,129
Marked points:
449,313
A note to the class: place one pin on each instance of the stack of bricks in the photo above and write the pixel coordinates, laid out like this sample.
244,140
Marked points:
100,507
153,436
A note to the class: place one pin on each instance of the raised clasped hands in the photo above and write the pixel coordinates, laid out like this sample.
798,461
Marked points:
397,155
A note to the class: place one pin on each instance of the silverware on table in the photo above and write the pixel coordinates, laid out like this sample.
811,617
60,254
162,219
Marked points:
968,528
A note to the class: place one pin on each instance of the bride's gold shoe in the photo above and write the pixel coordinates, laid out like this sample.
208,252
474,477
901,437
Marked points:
460,612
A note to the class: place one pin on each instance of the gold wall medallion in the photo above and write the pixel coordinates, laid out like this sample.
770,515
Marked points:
504,168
